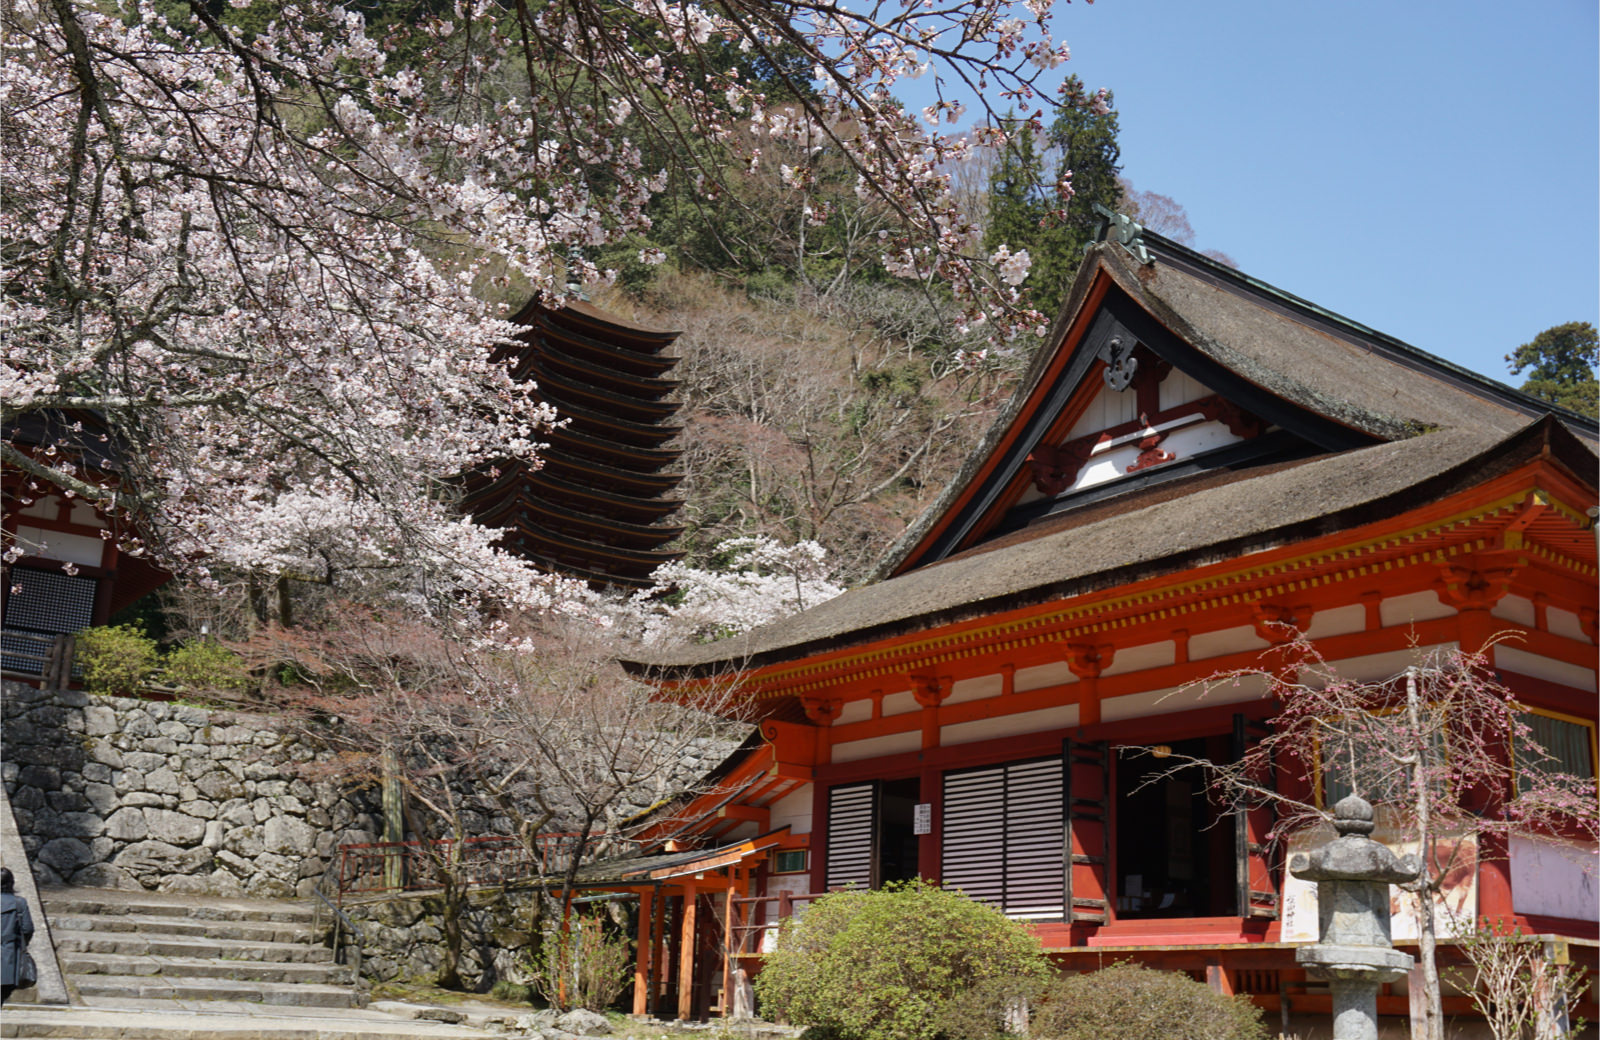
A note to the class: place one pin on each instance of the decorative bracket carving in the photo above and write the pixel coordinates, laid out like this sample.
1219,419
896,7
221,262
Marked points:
1239,422
930,691
1088,660
1121,365
1278,624
822,710
1150,454
1474,584
1056,468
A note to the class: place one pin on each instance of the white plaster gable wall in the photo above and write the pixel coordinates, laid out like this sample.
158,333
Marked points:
793,811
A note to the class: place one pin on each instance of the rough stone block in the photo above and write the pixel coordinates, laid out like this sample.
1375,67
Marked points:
105,754
244,841
215,831
127,824
272,788
143,798
105,875
190,715
288,836
79,825
162,781
175,828
42,777
68,801
99,720
64,854
150,861
102,797
198,807
96,772
144,761
173,731
128,780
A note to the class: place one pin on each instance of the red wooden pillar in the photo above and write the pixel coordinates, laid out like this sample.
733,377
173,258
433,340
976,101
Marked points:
727,946
658,952
643,957
686,953
931,792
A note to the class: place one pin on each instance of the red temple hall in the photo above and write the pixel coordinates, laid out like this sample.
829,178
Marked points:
1197,468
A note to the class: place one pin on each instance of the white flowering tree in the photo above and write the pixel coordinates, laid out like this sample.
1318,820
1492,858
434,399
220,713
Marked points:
255,262
760,580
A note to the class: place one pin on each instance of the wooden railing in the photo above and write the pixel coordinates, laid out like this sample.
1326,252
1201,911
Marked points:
407,866
39,656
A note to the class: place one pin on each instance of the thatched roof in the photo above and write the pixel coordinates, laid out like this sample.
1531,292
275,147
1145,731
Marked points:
1438,428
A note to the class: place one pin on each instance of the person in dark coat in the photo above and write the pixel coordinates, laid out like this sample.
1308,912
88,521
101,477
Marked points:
16,928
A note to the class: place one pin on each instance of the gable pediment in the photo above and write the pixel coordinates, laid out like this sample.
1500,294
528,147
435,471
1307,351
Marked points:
1123,403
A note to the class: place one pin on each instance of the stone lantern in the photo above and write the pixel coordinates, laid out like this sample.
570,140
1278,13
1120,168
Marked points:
1353,952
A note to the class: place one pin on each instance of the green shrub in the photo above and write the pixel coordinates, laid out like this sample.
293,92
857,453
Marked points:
205,665
910,962
1129,1002
115,658
583,967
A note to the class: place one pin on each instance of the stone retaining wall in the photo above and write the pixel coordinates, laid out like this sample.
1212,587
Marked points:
403,937
120,793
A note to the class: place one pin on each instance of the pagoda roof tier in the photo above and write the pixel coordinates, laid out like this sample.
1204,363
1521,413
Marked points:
606,502
515,507
622,481
560,542
624,456
557,388
598,423
583,315
644,364
598,372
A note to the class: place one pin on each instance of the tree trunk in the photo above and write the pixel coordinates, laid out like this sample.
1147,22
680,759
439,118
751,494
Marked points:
1427,950
450,961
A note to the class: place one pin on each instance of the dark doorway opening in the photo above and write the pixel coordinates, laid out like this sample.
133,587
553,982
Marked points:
1172,858
897,841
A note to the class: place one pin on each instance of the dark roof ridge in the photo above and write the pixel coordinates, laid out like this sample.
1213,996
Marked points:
1393,347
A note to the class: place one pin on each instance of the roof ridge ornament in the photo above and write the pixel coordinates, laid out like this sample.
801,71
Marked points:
1121,365
1123,230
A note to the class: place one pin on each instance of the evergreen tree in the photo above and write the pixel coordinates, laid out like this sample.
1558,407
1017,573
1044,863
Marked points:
1560,362
1026,208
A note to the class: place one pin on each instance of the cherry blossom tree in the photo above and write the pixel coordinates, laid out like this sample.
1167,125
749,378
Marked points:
251,266
551,744
1444,751
761,580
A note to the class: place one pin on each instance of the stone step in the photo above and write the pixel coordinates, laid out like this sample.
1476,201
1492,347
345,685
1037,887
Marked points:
239,1024
239,931
173,968
165,987
139,944
103,901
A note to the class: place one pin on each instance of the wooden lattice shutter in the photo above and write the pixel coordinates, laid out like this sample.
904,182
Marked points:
972,852
1035,840
852,835
1003,837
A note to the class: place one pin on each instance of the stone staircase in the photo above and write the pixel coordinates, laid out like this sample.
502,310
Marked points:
151,945
161,966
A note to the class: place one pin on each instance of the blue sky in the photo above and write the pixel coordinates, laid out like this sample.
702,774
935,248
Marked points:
1429,169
